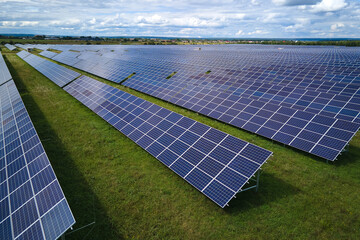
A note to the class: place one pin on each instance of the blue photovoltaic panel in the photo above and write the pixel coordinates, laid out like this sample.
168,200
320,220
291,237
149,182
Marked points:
23,54
67,57
4,71
48,54
56,73
215,163
32,204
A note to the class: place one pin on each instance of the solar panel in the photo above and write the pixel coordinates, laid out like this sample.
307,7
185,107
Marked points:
4,71
215,163
10,47
23,54
67,57
32,204
56,73
48,54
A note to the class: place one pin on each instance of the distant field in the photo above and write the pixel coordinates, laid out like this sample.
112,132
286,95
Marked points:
108,179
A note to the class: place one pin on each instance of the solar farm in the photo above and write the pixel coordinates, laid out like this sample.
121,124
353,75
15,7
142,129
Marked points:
195,142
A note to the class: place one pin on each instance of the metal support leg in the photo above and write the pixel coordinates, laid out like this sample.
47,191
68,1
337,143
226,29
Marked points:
254,179
257,180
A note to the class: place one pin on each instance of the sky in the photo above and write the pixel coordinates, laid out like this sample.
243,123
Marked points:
183,18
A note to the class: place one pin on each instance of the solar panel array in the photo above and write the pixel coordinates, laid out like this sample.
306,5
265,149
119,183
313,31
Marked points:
23,54
48,54
56,73
10,47
217,164
4,71
305,97
32,204
69,57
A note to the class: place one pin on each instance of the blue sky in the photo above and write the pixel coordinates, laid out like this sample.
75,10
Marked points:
188,18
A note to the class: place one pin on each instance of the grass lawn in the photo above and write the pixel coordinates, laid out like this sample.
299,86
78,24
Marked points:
108,178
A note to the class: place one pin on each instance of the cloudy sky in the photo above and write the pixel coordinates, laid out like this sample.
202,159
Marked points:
183,18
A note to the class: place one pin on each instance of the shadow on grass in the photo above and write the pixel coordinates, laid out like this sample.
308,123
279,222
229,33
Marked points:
83,202
351,155
271,189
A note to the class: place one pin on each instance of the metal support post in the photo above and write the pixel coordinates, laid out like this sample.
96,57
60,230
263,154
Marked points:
257,180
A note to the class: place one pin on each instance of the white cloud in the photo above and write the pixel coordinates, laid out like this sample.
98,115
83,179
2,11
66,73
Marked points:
271,17
240,32
19,23
239,16
300,24
258,32
9,23
66,22
28,23
255,2
154,19
207,18
329,5
92,21
335,27
295,2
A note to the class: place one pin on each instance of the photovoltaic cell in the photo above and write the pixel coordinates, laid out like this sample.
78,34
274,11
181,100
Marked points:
32,204
217,164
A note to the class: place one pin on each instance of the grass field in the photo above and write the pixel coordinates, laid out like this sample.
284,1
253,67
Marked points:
107,178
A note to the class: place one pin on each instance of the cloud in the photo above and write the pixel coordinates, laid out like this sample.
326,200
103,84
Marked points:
258,32
206,18
240,32
271,17
295,2
329,5
19,23
239,16
154,19
92,21
336,27
300,24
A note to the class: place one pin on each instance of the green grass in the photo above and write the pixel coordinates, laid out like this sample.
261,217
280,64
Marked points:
134,196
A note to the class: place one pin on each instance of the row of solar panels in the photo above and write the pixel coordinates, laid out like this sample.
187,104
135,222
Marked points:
32,204
4,71
330,64
217,164
289,115
10,47
341,106
56,73
279,73
320,135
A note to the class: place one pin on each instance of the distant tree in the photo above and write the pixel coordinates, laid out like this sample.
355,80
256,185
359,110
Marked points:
39,37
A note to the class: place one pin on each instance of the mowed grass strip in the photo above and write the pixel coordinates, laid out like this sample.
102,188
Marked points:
133,196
